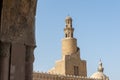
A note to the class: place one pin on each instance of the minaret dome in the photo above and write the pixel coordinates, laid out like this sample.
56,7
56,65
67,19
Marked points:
68,18
68,21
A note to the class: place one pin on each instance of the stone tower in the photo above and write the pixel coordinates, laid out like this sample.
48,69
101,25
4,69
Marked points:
17,39
71,63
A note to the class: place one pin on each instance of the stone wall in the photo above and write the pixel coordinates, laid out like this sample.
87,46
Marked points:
18,21
48,76
17,39
69,46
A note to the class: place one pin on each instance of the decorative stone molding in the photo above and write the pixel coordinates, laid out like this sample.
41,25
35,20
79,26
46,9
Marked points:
4,49
29,54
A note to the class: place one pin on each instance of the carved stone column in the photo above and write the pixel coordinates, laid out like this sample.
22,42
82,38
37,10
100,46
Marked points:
4,60
29,62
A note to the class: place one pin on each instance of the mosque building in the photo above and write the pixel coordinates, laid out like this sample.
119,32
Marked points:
70,66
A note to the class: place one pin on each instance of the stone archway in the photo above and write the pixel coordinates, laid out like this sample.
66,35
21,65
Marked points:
17,39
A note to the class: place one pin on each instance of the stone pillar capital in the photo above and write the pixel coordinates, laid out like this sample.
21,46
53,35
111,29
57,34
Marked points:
4,49
29,53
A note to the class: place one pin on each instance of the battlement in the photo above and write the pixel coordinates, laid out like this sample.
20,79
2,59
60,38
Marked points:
50,76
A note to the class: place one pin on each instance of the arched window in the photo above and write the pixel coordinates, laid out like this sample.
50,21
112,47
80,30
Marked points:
65,35
76,70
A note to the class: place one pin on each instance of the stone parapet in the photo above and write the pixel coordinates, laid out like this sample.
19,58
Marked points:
49,76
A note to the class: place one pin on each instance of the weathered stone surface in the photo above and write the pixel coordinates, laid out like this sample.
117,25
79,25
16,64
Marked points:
4,49
4,60
17,23
17,39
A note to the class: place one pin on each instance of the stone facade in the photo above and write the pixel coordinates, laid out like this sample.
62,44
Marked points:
17,39
71,66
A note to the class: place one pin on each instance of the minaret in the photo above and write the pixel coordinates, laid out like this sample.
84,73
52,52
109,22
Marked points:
69,43
68,29
71,63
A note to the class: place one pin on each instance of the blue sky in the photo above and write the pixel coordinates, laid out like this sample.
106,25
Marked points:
97,29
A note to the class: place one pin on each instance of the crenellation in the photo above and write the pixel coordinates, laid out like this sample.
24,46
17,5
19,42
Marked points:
47,76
